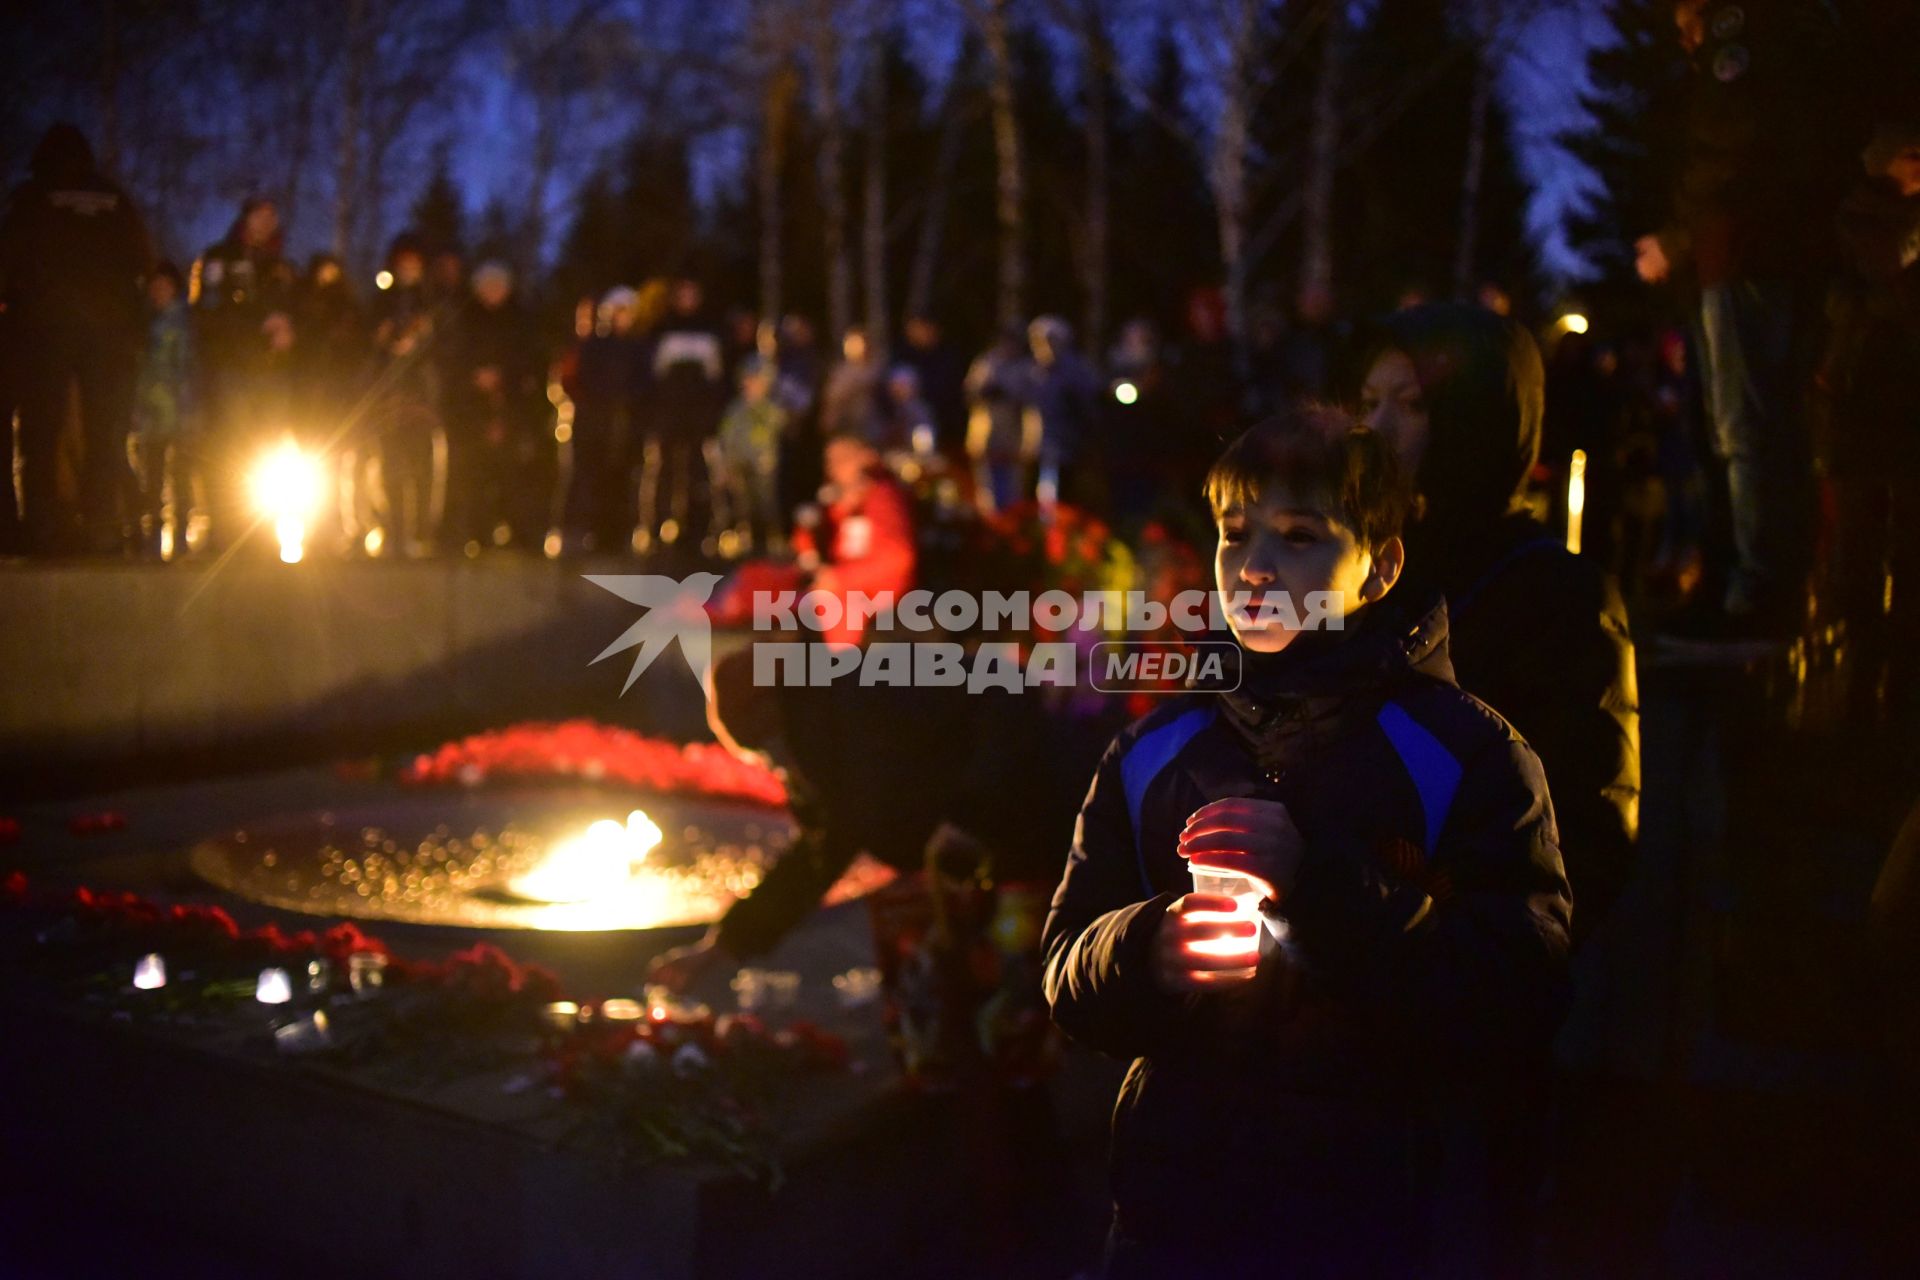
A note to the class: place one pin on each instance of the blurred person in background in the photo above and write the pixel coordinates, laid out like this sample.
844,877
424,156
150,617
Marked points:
163,417
751,433
850,401
1749,228
244,304
73,254
330,374
605,384
406,402
687,392
797,357
491,386
1870,383
1066,395
999,393
906,420
942,374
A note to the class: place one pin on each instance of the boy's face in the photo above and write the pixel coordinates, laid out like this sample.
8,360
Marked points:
161,291
1282,545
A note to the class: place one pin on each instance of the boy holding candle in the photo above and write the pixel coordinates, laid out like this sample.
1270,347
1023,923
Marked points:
1347,1104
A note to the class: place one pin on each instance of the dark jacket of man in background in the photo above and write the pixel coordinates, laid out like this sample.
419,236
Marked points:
73,255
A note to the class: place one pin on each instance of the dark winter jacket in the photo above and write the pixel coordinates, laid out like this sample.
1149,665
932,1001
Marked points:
1537,634
406,323
1757,151
1429,933
73,250
1066,395
688,379
606,386
500,338
331,349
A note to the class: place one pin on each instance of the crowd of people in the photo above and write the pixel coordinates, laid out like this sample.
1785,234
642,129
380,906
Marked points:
444,418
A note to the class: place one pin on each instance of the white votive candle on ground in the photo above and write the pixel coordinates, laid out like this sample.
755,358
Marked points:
150,972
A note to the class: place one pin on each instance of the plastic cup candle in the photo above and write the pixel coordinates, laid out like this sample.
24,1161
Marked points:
366,972
663,1006
765,989
274,987
856,987
150,972
1247,894
561,1015
621,1010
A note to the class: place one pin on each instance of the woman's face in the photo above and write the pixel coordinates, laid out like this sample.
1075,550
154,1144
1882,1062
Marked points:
1392,403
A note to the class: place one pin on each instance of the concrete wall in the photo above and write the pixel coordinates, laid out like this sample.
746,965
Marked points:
147,662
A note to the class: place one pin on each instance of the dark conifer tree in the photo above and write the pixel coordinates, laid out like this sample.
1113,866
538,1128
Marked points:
1634,102
1411,81
439,214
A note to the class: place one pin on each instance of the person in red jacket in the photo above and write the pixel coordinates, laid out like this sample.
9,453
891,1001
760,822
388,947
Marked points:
863,541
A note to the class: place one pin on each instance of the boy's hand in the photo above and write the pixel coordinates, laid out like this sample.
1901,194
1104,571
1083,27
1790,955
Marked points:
1254,837
1197,947
681,967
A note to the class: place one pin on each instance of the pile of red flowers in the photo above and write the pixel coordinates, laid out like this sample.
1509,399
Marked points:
208,935
1062,547
579,1057
587,749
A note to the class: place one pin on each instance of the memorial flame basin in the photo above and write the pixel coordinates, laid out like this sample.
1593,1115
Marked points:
564,859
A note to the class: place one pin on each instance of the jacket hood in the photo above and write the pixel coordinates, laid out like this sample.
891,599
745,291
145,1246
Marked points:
1485,390
63,155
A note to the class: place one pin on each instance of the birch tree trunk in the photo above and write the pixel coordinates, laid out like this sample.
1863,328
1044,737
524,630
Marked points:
874,213
1323,141
549,107
1010,203
776,126
1099,64
1227,171
346,177
926,249
109,87
833,187
1472,174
